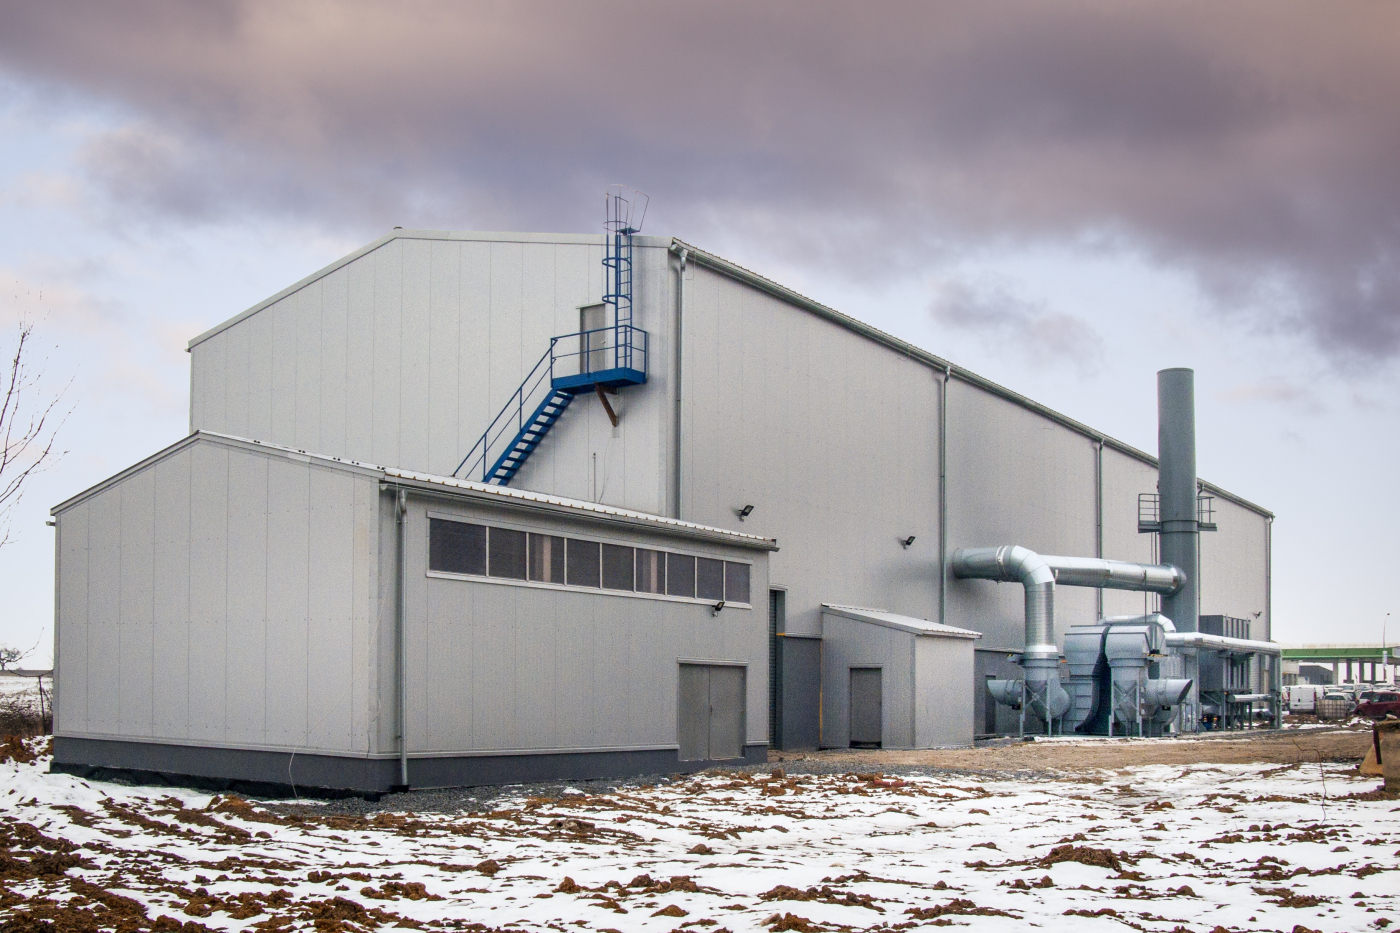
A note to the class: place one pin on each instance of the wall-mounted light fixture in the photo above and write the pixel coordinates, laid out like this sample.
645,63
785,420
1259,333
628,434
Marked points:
907,541
744,512
718,607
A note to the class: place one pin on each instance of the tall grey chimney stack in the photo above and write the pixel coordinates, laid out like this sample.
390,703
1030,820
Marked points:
1176,489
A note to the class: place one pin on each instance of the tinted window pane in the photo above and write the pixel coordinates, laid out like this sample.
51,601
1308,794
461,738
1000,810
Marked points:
736,582
651,571
456,547
507,553
680,575
617,567
546,559
583,563
709,578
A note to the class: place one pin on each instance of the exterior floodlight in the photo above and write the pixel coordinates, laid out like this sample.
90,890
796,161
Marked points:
907,541
744,512
718,607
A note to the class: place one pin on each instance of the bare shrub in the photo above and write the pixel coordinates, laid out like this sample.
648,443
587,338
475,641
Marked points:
25,714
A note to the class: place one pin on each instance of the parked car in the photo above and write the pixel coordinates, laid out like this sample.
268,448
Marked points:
1379,705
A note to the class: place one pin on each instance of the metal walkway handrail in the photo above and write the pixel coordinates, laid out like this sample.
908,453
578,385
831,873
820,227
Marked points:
622,363
500,424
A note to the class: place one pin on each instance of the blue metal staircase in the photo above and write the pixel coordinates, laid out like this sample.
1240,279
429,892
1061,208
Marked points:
528,438
567,369
549,389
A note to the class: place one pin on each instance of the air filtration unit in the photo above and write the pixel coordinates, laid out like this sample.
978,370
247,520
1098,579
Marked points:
1040,693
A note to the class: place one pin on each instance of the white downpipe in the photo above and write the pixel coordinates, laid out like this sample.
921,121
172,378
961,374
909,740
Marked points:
401,632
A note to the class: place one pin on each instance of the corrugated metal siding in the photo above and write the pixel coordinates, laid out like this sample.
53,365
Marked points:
499,667
1123,479
1015,477
216,596
833,438
1233,572
944,692
402,356
847,643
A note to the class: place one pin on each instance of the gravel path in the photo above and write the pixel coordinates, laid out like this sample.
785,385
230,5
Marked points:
1035,760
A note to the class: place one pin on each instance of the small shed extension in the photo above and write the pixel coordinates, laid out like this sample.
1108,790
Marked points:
238,612
892,681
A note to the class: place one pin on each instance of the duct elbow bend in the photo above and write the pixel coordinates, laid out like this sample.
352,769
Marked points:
1009,564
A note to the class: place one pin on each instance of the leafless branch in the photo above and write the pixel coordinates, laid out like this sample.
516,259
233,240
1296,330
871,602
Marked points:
29,425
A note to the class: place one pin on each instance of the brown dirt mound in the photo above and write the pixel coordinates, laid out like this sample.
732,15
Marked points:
1084,855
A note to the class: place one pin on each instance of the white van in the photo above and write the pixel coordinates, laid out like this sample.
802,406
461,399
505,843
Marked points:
1302,698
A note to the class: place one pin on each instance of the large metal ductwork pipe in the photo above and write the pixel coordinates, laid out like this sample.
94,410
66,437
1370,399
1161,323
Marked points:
1176,491
1038,575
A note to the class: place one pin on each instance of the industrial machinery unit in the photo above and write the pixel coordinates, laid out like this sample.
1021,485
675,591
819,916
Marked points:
1134,675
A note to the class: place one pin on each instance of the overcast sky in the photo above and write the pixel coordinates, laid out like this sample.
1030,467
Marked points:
1064,197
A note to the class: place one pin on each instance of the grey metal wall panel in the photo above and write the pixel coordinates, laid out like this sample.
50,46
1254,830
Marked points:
866,696
944,692
726,712
285,330
1015,477
307,364
287,658
801,684
1233,569
501,667
104,615
847,643
331,609
334,337
71,621
135,582
415,363
402,356
171,611
220,595
833,438
209,507
693,714
260,391
360,372
387,365
443,410
1124,478
246,606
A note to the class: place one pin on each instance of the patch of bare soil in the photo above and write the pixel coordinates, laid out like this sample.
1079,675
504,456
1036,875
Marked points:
1284,747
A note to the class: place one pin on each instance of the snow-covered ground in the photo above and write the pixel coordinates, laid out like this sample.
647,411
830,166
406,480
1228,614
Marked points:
1159,848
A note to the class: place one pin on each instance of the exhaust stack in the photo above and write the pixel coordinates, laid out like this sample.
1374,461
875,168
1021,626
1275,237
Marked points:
1176,491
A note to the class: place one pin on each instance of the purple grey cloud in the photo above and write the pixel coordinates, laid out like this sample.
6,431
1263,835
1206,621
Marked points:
1252,144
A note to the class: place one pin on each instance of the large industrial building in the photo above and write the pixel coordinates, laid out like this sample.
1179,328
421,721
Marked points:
467,507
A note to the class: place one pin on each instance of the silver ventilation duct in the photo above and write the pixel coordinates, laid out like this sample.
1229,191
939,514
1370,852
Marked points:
1039,573
1041,692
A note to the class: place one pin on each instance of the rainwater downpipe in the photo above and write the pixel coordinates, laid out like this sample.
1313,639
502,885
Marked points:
1098,514
680,334
943,496
401,632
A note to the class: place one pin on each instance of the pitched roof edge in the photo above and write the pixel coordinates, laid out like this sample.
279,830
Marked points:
656,242
783,293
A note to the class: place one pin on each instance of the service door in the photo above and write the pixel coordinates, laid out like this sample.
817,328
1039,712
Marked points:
866,703
710,723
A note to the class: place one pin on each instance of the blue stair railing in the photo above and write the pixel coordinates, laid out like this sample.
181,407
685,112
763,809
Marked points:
605,358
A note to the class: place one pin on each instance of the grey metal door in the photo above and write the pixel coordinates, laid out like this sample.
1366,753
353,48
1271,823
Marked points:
694,721
866,701
710,723
726,712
